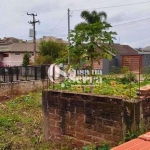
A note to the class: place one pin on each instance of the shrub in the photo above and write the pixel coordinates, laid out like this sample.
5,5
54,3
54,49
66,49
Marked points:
125,69
146,73
128,77
115,70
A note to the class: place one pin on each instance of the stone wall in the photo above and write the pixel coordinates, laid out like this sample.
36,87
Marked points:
22,87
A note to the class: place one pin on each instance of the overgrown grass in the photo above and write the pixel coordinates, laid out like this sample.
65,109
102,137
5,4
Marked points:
112,85
21,126
21,123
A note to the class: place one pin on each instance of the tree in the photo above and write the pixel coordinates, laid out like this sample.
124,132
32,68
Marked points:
49,51
26,59
91,17
90,42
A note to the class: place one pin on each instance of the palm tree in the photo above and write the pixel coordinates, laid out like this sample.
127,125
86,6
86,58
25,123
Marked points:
92,17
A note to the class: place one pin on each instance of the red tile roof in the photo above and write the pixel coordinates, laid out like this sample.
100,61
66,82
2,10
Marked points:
140,143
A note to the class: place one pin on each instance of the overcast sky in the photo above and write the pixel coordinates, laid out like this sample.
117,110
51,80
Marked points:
129,18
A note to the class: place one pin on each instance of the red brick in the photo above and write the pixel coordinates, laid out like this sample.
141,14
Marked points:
55,117
80,136
55,130
52,122
70,121
117,124
70,133
117,132
97,140
52,111
110,137
80,129
93,133
80,120
78,143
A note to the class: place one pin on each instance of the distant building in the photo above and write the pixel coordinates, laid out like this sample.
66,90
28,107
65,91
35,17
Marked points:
12,50
12,55
46,38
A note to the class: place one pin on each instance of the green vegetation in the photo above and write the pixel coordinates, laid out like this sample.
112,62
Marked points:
21,126
49,52
26,59
105,146
90,41
21,123
112,85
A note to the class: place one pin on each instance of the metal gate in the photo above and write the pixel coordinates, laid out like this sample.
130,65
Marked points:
134,63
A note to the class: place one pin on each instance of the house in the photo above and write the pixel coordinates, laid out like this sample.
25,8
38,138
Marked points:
12,55
12,50
126,56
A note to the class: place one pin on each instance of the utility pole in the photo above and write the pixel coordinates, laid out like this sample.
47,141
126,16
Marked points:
34,34
68,33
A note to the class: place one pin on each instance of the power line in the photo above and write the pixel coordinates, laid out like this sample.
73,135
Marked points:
13,22
131,22
59,22
129,16
66,6
115,6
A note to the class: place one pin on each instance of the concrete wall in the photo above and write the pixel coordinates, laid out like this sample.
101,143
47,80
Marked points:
146,60
118,61
107,65
18,88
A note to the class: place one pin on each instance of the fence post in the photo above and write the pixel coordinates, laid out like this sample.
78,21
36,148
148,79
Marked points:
17,73
4,74
10,71
43,72
35,72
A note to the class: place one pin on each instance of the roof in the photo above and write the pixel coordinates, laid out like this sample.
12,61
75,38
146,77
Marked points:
18,47
21,47
124,49
140,143
147,49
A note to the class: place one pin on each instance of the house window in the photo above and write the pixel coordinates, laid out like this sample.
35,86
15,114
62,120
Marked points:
6,55
17,53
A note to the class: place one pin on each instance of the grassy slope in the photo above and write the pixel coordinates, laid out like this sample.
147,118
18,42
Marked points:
21,123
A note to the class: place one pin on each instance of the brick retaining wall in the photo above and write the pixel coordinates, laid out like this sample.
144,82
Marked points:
90,118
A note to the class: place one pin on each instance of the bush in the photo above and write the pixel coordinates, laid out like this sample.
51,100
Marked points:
115,70
146,73
128,77
125,69
104,146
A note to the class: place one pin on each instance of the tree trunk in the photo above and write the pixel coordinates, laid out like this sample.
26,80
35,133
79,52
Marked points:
91,76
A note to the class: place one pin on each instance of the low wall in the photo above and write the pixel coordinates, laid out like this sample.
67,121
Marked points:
22,87
91,118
